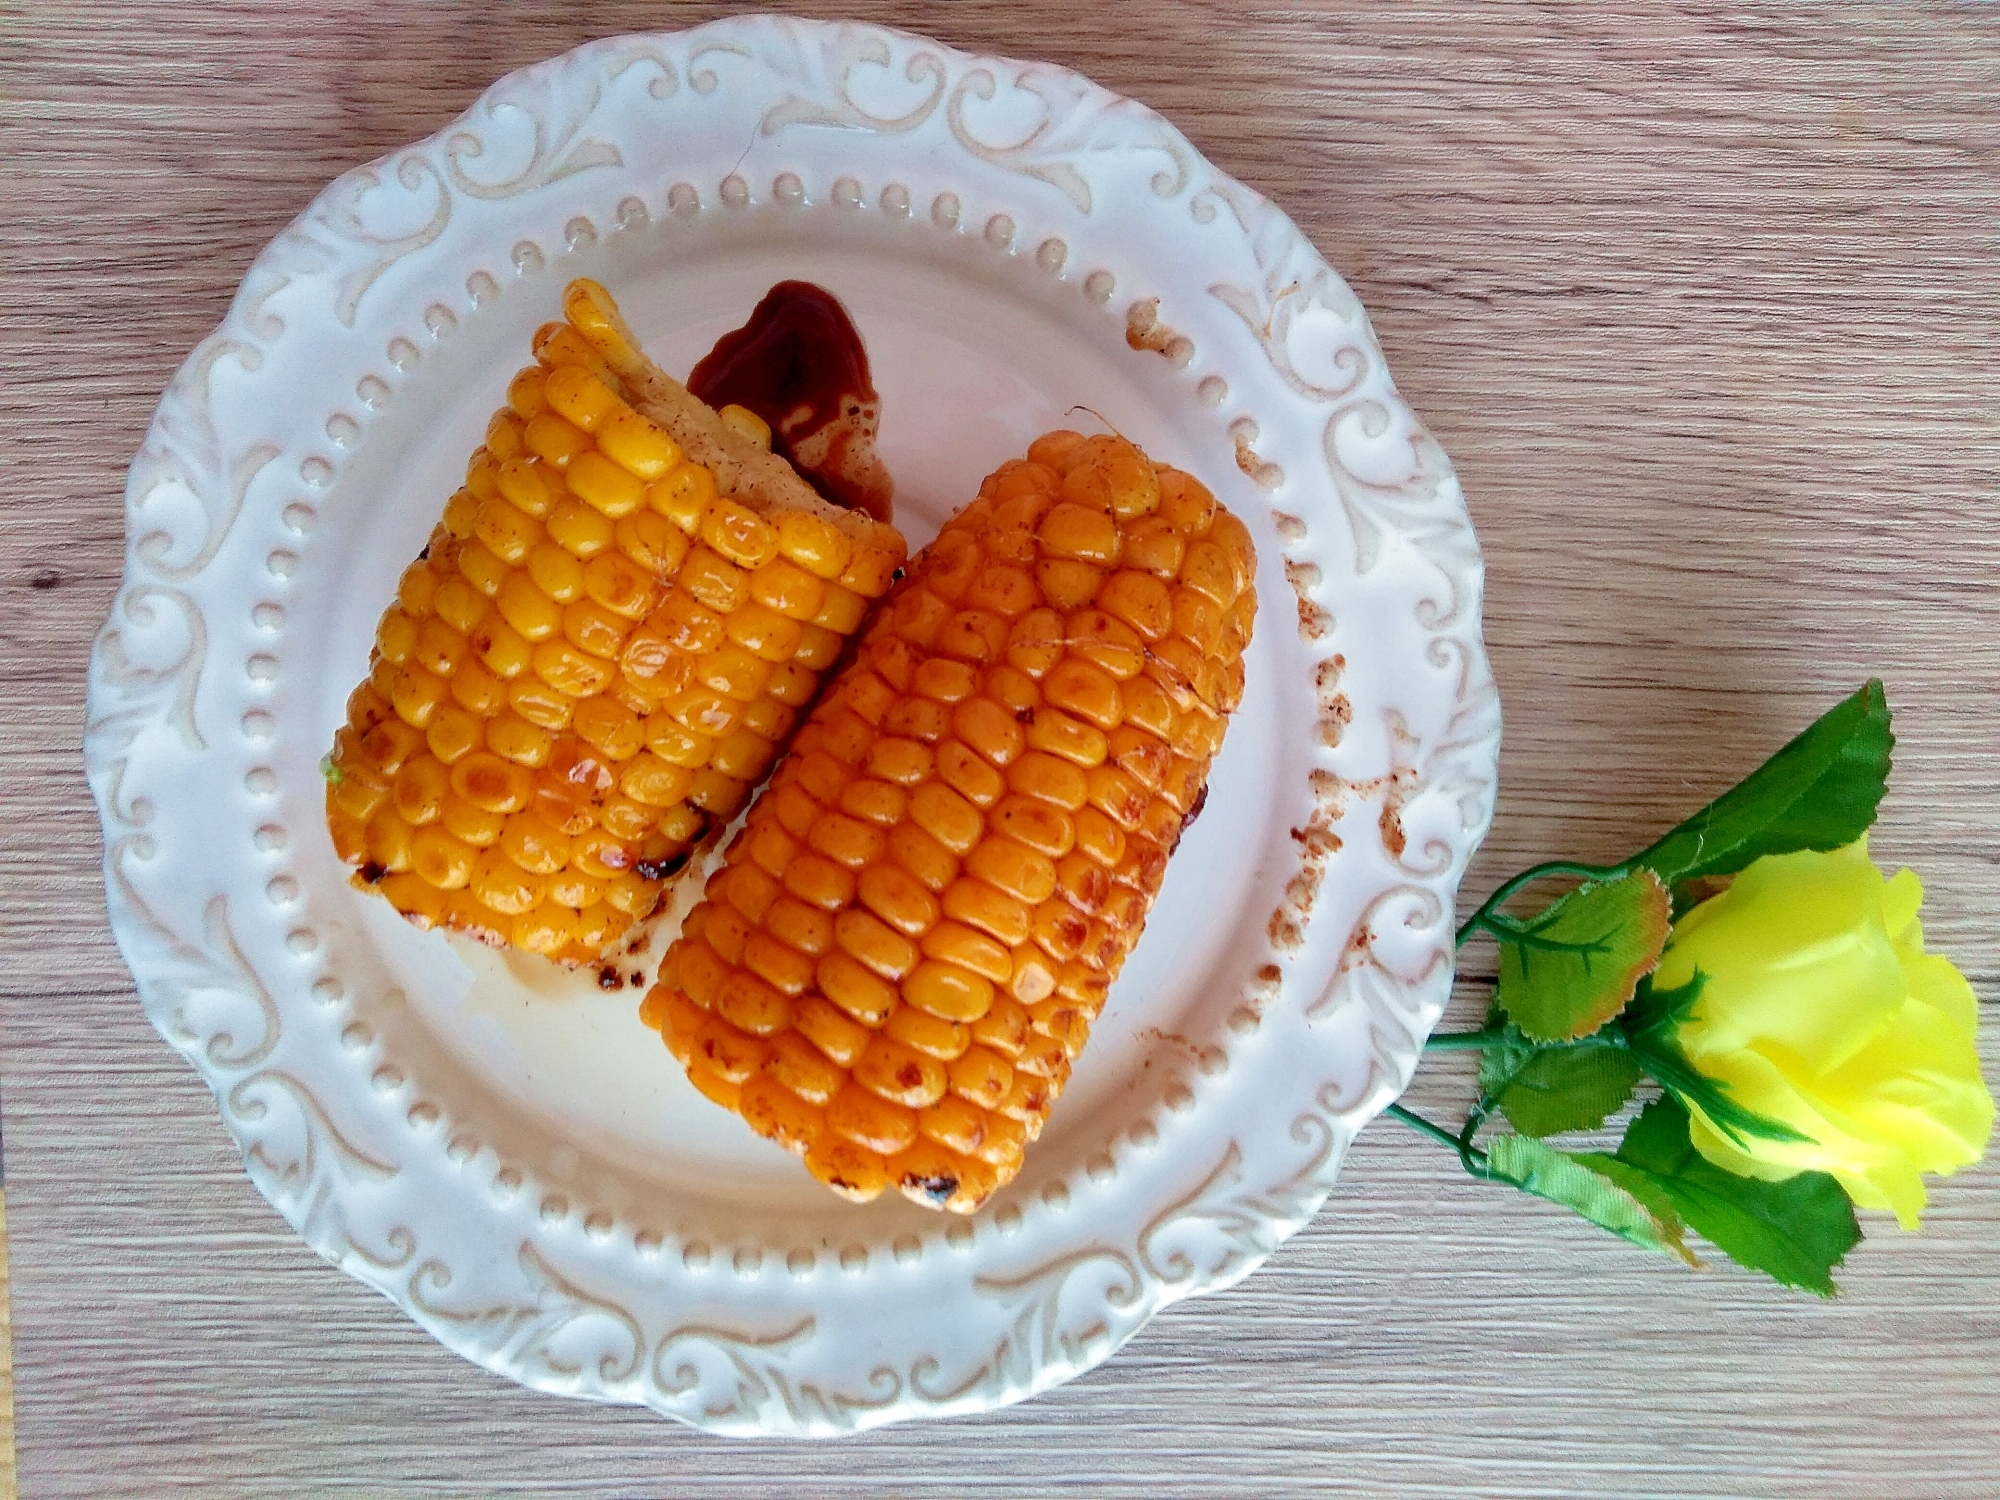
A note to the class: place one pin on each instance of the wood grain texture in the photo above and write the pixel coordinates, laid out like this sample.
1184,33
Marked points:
1699,298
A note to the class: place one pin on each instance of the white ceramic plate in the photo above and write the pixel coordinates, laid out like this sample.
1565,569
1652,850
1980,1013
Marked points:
520,1166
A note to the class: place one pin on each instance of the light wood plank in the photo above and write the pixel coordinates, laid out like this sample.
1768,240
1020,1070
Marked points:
1700,298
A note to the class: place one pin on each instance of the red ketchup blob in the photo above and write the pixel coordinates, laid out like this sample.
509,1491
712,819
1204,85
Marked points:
800,365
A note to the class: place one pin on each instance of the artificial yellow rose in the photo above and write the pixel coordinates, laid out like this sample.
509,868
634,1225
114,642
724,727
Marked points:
1822,1011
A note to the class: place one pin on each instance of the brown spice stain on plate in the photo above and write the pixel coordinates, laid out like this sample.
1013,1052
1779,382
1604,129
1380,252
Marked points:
1145,331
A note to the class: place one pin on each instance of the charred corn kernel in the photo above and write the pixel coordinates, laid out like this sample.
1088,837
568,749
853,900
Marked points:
962,847
389,841
854,1172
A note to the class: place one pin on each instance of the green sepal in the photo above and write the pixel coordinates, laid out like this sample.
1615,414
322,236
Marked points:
1547,1090
1819,792
1657,1011
1667,1065
332,773
1572,967
1795,1231
1562,1177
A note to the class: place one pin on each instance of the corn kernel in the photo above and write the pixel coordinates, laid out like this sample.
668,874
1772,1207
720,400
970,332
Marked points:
635,444
515,739
580,529
815,544
892,1070
683,496
568,670
738,533
786,588
592,628
420,792
453,733
474,825
527,609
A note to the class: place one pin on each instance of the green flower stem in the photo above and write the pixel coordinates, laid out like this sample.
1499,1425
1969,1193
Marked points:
1473,1158
1463,1041
1488,918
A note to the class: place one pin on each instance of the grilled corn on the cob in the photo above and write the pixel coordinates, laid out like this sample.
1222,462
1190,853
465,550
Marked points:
608,639
925,909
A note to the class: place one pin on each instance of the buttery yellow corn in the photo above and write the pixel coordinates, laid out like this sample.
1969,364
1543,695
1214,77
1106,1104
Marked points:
596,658
925,909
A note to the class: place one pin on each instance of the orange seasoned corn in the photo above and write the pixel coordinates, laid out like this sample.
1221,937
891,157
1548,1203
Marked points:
602,650
905,948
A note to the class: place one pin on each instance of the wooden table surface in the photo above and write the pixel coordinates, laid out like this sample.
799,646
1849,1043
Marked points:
1701,299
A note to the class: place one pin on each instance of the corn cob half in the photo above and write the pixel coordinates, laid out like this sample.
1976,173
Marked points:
606,642
924,911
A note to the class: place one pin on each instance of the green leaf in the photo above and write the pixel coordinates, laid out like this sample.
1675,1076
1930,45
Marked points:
1667,1065
1819,792
1795,1231
1547,1090
1562,1178
1568,970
